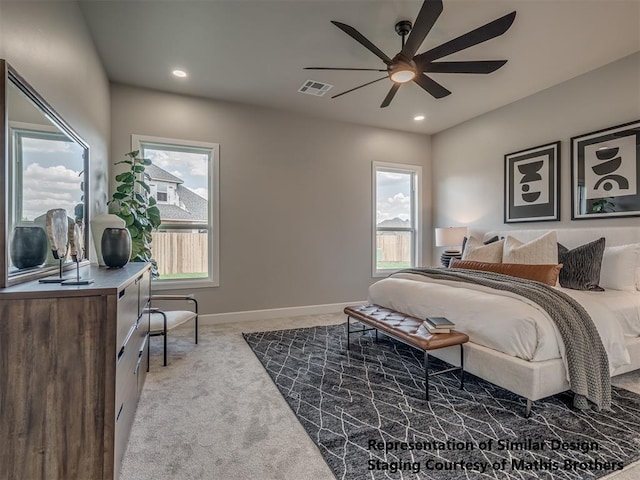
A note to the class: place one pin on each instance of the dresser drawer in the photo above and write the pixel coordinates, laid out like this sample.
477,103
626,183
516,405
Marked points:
127,368
126,383
144,285
127,312
142,364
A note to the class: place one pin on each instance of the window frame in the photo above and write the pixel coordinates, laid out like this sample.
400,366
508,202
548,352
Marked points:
213,225
416,213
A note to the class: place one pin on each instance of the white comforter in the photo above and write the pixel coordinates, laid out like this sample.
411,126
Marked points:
496,319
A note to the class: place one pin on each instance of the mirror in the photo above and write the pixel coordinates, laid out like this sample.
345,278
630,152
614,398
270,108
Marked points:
44,164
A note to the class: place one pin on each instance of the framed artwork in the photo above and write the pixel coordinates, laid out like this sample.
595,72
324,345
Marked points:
605,173
531,184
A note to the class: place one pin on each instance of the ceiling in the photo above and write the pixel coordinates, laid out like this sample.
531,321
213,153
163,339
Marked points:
254,51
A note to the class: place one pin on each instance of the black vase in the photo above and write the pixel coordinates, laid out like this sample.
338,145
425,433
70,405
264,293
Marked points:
116,247
28,247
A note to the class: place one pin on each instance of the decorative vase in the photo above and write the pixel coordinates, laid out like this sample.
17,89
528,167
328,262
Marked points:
98,224
28,247
116,247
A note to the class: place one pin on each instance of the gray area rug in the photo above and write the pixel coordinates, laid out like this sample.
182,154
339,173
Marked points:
366,412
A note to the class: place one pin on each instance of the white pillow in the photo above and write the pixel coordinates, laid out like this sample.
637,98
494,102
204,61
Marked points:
620,267
542,250
479,252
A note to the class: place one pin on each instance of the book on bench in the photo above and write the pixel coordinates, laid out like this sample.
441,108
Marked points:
438,325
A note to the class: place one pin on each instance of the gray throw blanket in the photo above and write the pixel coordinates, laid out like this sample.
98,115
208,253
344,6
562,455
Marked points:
586,357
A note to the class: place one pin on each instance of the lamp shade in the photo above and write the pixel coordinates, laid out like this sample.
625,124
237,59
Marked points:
450,236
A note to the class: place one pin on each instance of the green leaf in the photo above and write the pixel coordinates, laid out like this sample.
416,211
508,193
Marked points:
124,188
128,162
133,154
134,231
145,161
138,169
152,201
119,196
125,177
144,185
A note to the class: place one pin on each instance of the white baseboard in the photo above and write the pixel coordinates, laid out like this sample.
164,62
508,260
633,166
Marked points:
218,318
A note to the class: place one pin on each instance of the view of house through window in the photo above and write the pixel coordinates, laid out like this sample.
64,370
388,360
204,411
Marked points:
395,218
180,179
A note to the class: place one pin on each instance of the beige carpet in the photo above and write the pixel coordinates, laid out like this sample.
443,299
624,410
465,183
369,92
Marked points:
214,413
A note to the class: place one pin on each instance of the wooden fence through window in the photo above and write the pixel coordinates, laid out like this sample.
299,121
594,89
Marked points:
180,252
393,247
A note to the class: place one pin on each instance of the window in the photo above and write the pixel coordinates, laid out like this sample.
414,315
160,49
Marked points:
183,178
396,207
161,192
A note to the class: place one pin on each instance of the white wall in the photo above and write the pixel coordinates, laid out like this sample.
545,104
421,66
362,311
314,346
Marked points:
468,159
48,44
295,194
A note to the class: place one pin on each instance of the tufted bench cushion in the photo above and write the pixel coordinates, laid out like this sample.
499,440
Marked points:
404,327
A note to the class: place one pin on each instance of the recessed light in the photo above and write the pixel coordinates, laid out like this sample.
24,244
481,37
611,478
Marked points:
179,73
417,118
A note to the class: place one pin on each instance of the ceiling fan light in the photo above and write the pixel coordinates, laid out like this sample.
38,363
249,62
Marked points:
403,75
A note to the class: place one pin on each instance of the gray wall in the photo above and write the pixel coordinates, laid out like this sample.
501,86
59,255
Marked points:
468,159
50,47
295,194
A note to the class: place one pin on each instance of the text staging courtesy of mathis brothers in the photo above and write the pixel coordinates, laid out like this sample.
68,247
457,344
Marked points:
522,455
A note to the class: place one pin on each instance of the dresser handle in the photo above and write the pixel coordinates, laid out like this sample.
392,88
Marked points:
121,294
120,354
119,412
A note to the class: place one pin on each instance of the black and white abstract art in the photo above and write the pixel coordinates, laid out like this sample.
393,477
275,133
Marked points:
531,184
605,173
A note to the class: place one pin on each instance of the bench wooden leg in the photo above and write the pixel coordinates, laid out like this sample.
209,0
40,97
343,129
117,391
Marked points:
461,368
426,375
527,412
348,330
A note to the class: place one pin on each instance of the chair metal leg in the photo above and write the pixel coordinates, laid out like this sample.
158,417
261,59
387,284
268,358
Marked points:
348,330
165,338
195,302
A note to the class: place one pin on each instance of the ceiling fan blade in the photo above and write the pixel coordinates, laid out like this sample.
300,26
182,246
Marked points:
481,66
352,69
429,13
362,40
390,95
360,86
434,88
469,39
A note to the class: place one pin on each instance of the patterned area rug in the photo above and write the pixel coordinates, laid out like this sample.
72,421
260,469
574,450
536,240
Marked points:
365,410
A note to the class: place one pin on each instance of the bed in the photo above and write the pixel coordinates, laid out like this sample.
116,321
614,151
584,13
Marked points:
513,343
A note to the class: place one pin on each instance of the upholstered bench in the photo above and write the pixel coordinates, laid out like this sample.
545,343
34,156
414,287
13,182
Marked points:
405,328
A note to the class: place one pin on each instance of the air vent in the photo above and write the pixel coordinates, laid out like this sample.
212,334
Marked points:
311,87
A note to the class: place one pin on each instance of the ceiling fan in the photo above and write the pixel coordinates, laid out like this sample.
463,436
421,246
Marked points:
406,66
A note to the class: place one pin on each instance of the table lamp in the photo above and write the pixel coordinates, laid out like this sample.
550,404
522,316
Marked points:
450,237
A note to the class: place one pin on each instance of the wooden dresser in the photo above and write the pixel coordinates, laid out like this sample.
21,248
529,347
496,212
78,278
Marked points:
73,360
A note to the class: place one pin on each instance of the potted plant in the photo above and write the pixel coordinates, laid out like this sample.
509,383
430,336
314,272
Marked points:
132,202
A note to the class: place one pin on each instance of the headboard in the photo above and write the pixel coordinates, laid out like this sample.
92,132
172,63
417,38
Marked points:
573,237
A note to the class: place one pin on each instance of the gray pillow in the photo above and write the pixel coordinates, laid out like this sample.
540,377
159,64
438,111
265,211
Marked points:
486,242
581,266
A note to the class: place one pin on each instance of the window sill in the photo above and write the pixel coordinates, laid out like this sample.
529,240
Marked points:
161,285
386,273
